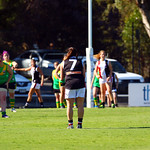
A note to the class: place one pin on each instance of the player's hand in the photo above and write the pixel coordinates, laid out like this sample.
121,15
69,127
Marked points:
108,79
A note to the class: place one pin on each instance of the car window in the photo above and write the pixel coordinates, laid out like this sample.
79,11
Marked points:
53,57
34,55
117,67
26,55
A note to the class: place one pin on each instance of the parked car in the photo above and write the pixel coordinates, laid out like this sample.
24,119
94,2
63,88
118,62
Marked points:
23,84
45,60
123,76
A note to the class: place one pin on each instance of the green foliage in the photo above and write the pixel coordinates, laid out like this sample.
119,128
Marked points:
62,23
121,128
132,26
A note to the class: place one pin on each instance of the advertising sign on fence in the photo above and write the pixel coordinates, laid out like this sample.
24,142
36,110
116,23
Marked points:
139,94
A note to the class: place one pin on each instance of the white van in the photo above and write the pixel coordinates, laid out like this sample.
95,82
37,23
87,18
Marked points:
123,76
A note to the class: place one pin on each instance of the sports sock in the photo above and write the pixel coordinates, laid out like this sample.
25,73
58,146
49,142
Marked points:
95,101
103,103
70,122
3,113
74,104
100,102
80,120
42,105
27,103
12,102
57,104
61,104
65,104
112,102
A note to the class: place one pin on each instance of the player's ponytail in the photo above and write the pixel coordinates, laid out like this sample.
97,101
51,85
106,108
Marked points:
71,51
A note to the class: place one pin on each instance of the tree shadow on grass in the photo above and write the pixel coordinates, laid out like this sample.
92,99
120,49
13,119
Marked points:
110,128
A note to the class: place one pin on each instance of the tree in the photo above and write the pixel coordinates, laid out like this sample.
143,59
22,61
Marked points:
144,8
132,27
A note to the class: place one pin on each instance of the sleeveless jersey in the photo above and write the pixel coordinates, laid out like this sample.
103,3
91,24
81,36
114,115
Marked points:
73,81
103,68
13,76
3,74
55,79
35,75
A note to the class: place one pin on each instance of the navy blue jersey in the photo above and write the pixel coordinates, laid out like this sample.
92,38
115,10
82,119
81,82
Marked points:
73,81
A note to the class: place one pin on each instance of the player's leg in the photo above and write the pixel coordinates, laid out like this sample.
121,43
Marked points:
70,102
80,103
62,96
115,98
31,91
109,90
102,89
3,103
38,93
12,99
95,97
57,100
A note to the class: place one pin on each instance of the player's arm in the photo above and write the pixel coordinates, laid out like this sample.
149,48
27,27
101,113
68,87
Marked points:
61,72
9,70
110,74
42,75
117,81
83,71
22,69
96,70
14,64
57,69
93,79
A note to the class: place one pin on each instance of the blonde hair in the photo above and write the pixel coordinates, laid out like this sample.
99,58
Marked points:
97,56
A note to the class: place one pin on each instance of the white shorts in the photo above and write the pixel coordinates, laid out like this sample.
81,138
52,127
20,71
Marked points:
113,91
74,93
103,80
35,85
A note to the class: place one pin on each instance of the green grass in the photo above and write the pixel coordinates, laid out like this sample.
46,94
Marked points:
106,129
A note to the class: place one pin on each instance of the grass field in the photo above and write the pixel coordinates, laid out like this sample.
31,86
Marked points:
105,129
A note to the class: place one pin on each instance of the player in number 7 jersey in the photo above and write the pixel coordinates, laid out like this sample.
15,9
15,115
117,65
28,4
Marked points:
74,84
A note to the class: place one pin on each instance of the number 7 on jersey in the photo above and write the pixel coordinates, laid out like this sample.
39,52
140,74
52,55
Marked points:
73,64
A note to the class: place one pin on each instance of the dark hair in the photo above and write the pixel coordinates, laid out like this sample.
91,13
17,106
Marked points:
71,51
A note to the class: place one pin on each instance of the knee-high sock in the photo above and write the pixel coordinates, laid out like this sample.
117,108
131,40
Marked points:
12,102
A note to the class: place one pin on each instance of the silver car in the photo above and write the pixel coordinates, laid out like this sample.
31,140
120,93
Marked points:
23,84
45,60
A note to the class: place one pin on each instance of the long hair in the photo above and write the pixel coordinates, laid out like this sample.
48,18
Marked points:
71,51
97,56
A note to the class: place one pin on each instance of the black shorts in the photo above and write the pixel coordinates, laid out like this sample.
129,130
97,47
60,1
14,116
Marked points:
12,85
3,86
56,90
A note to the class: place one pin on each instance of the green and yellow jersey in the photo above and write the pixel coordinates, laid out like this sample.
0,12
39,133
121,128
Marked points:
13,77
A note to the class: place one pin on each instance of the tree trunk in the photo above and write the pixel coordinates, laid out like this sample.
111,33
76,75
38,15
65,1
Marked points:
144,8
